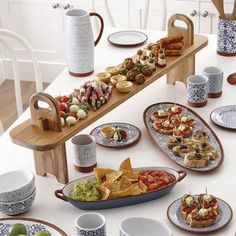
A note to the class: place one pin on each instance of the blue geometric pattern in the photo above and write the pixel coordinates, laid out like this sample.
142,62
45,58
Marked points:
215,83
226,37
98,232
197,93
17,208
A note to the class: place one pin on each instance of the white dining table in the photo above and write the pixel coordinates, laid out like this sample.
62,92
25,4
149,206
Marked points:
220,182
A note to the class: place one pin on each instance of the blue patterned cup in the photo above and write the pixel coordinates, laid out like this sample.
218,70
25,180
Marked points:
197,90
215,81
226,37
91,224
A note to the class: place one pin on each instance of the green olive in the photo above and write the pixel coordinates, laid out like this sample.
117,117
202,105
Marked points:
42,233
17,230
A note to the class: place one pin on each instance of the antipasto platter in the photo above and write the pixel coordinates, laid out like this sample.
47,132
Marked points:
116,134
109,188
184,136
203,213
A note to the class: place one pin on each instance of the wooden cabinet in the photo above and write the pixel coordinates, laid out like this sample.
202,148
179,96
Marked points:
209,17
202,13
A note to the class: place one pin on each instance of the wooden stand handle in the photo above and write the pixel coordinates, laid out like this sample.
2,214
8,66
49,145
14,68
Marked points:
187,66
45,118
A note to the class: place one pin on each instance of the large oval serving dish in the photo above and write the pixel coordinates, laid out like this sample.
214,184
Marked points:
161,139
32,226
64,194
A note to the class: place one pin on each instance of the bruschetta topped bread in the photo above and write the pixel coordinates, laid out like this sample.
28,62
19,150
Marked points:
195,154
200,136
183,131
208,202
159,115
188,204
175,110
196,160
199,212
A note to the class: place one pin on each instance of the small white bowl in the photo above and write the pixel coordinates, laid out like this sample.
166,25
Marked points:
138,226
18,207
16,185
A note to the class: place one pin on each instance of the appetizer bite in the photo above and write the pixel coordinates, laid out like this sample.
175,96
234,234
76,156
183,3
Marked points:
196,159
199,211
113,132
200,136
188,204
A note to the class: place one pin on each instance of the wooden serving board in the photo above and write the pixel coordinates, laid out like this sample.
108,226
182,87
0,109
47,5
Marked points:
48,142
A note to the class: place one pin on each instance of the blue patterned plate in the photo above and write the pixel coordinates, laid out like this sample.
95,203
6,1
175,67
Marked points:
32,226
162,139
225,117
224,217
133,135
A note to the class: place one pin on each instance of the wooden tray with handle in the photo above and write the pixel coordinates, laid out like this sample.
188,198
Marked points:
43,133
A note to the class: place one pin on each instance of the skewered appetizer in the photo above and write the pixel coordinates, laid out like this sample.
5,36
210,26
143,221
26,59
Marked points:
93,94
183,131
188,204
71,110
201,211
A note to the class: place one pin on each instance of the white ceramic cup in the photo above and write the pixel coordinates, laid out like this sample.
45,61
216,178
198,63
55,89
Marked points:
84,152
91,223
197,90
215,81
143,226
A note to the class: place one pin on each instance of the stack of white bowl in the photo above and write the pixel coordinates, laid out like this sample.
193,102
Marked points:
17,192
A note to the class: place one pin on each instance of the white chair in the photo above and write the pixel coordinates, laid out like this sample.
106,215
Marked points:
146,13
5,35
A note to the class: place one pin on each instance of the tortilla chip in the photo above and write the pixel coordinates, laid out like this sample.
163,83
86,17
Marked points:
105,192
113,176
132,190
100,174
132,175
125,183
125,165
114,187
142,186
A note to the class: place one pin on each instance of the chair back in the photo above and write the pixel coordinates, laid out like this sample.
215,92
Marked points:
5,35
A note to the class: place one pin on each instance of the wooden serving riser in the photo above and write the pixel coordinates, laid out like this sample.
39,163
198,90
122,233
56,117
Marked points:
50,144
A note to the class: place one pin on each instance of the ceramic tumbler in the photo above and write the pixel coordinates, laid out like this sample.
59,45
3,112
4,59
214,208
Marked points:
215,81
226,37
79,41
91,224
84,152
197,90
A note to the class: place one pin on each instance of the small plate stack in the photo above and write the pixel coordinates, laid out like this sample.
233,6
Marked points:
17,192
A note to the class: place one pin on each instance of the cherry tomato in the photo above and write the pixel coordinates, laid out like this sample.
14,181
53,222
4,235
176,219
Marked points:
64,99
63,107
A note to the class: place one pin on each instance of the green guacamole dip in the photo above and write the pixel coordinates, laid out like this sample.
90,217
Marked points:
86,190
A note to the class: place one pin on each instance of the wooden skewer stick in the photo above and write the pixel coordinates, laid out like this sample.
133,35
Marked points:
219,4
206,190
233,15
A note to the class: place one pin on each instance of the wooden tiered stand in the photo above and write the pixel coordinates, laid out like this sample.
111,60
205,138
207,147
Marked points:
43,133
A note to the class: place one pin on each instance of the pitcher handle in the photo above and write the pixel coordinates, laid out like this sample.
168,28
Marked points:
102,26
